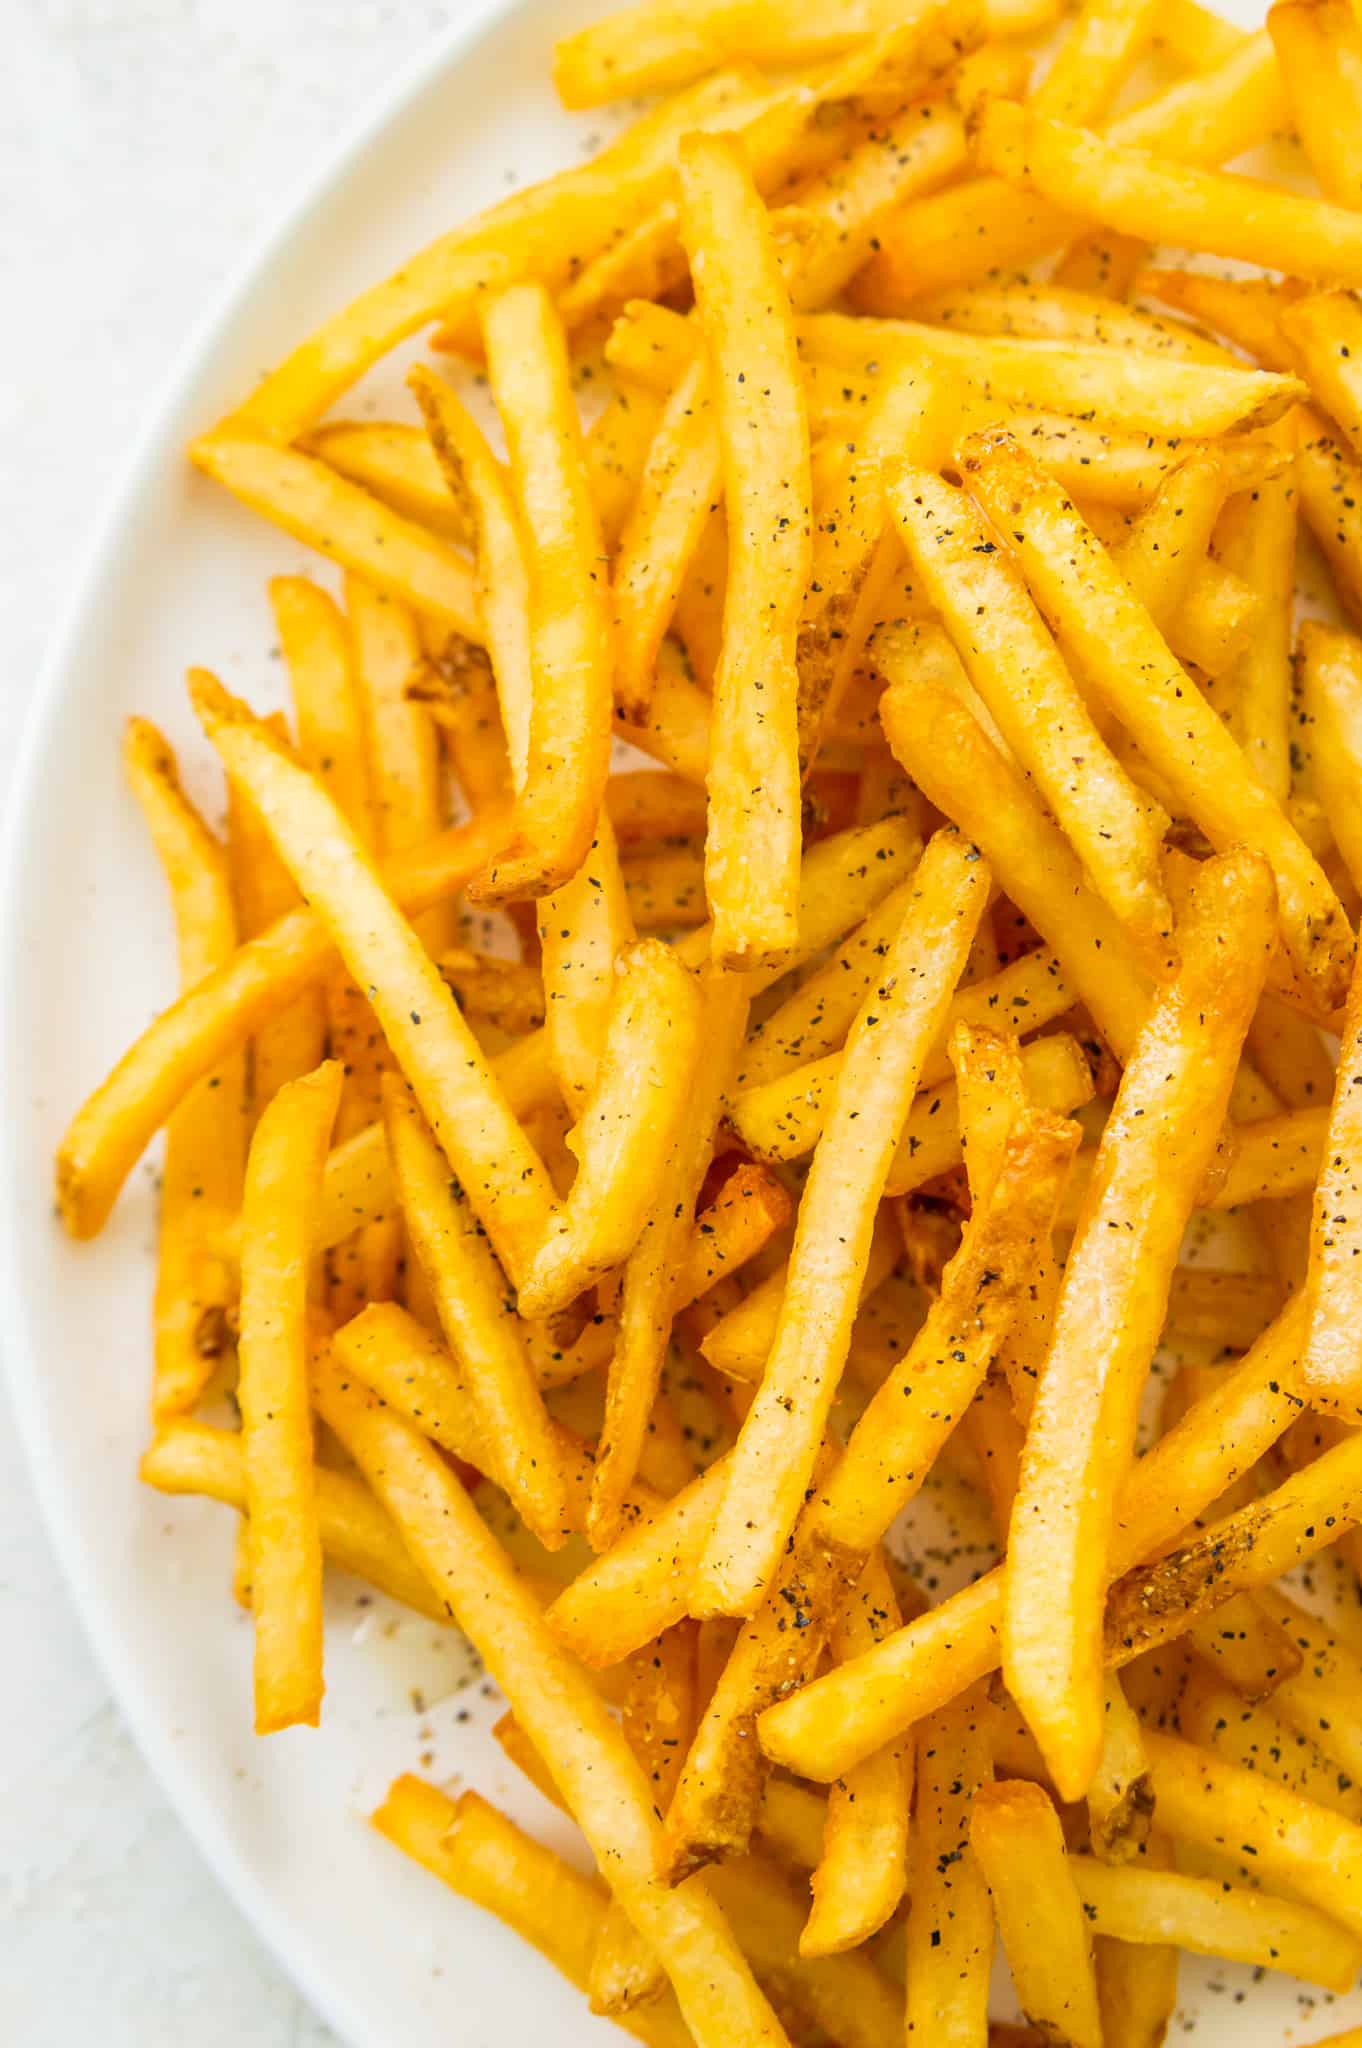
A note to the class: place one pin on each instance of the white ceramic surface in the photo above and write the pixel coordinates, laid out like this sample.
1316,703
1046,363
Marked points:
85,958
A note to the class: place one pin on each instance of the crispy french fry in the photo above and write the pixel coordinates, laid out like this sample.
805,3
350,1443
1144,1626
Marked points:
1331,1367
785,1118
1331,684
1120,1806
595,1771
1319,49
639,1587
1157,1144
1215,1919
1259,1739
678,490
951,758
1296,1847
485,1857
1324,329
860,1875
570,632
505,1180
1018,671
358,1536
1017,1841
984,228
1245,1647
343,522
546,231
480,1325
895,1027
655,1274
1125,659
283,1183
617,444
397,464
205,1140
950,1924
627,1128
1062,313
1106,265
1137,1983
763,437
854,1710
1256,540
316,647
1320,1698
1131,191
263,889
740,1342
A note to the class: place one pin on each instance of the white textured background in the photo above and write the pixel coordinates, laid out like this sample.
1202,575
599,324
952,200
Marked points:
143,145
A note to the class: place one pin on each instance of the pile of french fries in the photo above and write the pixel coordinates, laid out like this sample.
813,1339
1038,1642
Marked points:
843,1094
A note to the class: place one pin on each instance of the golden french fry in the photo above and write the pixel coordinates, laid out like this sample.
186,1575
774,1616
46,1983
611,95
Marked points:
752,845
950,1923
640,1586
1019,673
1319,49
1125,659
1062,313
554,1701
546,231
961,771
1247,1649
1120,1806
739,1343
656,1274
570,634
358,1536
627,1128
861,1871
1256,540
850,1712
1157,1145
343,522
263,890
397,464
485,1857
429,1039
1331,1367
983,227
1215,1919
1295,1847
1132,191
282,1187
1194,37
617,444
481,1326
1017,1841
1105,265
896,1025
205,1140
1260,1739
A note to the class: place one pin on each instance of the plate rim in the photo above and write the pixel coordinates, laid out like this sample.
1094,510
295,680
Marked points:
100,571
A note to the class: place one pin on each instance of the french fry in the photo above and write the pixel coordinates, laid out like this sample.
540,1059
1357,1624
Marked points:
763,438
596,1772
1324,330
1173,1097
343,522
357,1535
1131,191
1061,313
648,48
397,464
739,1343
1120,1806
859,1878
984,228
1018,671
485,1857
617,442
627,1128
1245,1647
205,1141
1319,49
1259,1739
842,1997
1125,659
480,1325
316,648
1246,309
1331,1369
1214,1919
1296,1847
896,1025
428,1038
1107,266
546,231
1164,552
263,891
1194,37
1157,394
956,765
950,1924
570,632
785,1118
402,749
856,1709
1330,483
283,1182
640,1586
655,1274
678,490
1017,1842
1256,540
1320,1698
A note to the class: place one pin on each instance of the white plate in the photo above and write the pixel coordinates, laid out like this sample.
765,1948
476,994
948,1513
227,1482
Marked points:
85,959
